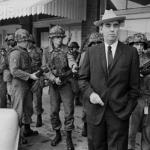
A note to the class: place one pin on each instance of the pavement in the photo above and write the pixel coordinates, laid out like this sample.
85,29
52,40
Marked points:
46,134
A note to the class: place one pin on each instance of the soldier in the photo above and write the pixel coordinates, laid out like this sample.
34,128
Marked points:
10,40
3,90
140,118
74,50
61,65
20,68
36,57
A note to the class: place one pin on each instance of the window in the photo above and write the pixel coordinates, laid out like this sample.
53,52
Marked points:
138,3
116,4
126,4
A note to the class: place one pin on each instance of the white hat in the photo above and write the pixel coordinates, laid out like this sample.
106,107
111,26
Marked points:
109,16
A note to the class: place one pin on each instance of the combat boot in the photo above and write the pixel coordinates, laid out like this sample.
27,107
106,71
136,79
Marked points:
69,142
28,132
39,121
56,139
84,130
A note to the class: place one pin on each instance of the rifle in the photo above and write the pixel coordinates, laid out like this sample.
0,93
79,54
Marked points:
40,82
145,69
41,71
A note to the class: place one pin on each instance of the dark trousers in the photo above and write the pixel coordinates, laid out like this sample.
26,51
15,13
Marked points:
110,134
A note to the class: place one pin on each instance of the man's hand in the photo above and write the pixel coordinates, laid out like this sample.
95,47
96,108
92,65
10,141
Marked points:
57,81
33,76
95,99
75,68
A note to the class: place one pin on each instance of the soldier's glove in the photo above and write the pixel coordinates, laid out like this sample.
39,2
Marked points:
95,99
33,76
57,81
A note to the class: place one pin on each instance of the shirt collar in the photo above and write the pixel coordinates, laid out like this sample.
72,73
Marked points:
113,47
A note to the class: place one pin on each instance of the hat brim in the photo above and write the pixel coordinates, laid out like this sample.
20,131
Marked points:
100,22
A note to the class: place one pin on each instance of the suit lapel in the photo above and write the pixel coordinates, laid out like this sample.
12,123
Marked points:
117,55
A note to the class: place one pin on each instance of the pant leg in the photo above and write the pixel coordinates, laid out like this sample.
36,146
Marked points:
55,101
17,97
3,92
37,99
117,131
97,136
135,123
145,140
67,98
27,107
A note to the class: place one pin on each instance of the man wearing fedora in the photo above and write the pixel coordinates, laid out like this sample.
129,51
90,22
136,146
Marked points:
109,80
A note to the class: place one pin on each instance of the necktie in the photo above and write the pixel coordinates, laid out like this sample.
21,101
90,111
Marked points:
110,57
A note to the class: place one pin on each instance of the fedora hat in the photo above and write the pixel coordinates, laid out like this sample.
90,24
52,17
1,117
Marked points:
109,16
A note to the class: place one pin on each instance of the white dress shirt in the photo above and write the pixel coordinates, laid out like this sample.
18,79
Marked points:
113,49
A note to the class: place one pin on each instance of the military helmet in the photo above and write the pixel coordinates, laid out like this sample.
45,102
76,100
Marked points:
129,40
21,35
95,38
9,37
74,45
57,31
31,38
139,38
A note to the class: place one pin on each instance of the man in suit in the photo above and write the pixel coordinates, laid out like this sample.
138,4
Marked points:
109,80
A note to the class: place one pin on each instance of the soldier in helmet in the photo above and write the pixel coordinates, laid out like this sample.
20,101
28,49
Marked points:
61,66
20,68
3,90
10,40
140,118
36,57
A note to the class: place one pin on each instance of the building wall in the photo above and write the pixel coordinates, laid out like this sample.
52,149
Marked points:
93,9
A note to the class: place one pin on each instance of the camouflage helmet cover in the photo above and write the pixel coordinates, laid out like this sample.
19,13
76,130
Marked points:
21,35
95,37
139,38
31,38
129,40
57,31
9,37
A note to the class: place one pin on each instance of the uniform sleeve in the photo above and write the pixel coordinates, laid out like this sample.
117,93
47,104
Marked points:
3,65
15,66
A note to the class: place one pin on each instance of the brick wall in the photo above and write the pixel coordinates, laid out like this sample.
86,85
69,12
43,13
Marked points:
93,9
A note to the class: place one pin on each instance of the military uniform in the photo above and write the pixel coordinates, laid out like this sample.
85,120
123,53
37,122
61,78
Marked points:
36,57
20,68
140,120
3,90
60,62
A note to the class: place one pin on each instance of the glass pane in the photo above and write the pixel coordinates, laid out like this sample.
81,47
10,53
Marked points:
138,3
116,4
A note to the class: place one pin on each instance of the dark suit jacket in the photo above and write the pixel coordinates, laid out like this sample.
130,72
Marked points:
119,89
